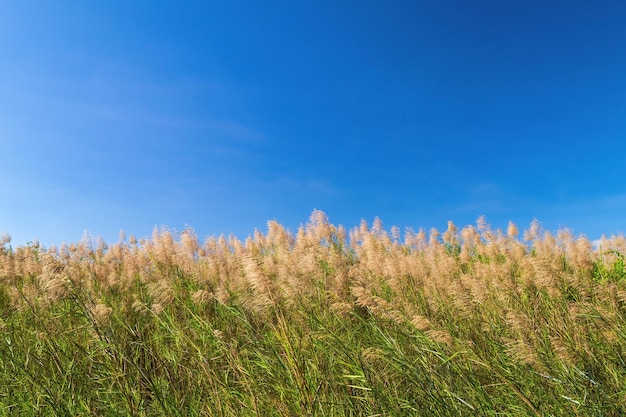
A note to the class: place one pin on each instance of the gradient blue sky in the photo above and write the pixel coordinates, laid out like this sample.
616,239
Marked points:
224,115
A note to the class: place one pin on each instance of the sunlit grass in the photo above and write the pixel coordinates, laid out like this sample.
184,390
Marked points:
322,322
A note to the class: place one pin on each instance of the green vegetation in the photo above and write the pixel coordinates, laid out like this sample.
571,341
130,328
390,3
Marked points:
320,323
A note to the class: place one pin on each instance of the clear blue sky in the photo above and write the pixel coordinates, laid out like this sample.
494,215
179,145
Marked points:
222,115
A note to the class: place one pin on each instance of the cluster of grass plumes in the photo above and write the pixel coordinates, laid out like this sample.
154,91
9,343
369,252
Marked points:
321,322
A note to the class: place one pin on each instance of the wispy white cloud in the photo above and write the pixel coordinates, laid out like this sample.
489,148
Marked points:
291,184
484,197
128,98
617,201
321,186
226,129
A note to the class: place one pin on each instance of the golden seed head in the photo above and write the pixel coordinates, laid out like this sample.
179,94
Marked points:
101,312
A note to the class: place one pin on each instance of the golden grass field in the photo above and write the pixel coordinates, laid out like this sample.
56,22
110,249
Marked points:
325,321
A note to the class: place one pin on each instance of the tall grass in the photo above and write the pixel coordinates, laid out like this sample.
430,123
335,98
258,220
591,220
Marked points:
323,322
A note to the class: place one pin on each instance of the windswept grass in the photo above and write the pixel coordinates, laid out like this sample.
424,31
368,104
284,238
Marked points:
324,322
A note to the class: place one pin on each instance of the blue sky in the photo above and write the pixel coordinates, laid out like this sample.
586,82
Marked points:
224,115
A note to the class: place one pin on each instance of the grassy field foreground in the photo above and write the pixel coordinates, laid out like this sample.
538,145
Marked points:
324,322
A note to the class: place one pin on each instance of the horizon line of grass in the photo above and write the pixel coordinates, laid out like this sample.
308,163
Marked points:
322,322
